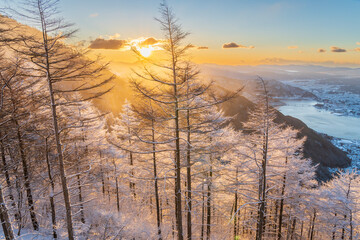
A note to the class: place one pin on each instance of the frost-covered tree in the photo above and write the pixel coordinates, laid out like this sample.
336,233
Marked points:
339,200
123,136
64,68
262,126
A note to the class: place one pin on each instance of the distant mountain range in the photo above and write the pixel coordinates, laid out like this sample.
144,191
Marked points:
279,72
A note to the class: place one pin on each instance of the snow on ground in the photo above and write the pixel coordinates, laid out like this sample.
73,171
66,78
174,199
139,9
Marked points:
29,235
338,97
351,147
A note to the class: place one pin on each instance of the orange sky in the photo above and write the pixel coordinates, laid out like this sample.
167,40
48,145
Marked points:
243,56
256,32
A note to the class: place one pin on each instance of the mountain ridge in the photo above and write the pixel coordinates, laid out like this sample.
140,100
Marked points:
316,147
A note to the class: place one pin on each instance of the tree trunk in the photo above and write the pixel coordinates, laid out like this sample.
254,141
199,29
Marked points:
157,199
5,169
188,177
117,188
288,227
282,203
262,204
78,178
343,229
108,189
276,216
102,176
313,226
131,159
202,212
61,167
19,194
5,220
29,195
177,189
208,205
350,212
334,229
80,197
262,185
60,156
52,185
235,206
293,229
7,179
351,227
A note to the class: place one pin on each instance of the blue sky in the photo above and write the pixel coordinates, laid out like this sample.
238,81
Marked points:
271,26
258,22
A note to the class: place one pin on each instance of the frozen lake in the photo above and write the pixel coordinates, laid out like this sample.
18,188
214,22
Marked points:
322,121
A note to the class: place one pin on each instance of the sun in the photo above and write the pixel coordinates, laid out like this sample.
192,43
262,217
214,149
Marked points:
145,51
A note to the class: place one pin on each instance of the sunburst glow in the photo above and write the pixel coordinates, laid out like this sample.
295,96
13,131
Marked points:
145,51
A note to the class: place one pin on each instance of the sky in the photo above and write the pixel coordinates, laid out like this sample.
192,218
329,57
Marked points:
229,32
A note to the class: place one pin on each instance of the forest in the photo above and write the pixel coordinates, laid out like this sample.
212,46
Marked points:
170,165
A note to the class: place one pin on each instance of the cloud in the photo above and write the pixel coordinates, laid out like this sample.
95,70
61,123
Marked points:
115,36
148,41
235,45
357,43
337,49
101,43
113,42
321,50
232,45
357,49
94,15
197,47
293,47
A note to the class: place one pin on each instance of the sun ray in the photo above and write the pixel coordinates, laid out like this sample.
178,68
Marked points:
145,51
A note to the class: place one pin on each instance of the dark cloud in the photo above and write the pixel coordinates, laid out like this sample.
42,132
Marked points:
191,46
235,45
337,49
321,50
101,43
231,45
149,41
202,47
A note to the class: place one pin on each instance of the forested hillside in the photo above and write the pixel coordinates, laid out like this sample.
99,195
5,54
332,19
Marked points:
179,159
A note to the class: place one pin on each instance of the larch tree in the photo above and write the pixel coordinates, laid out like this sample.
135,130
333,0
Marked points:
65,69
261,124
19,120
167,94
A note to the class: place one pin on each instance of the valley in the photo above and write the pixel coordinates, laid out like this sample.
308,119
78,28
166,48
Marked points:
326,99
